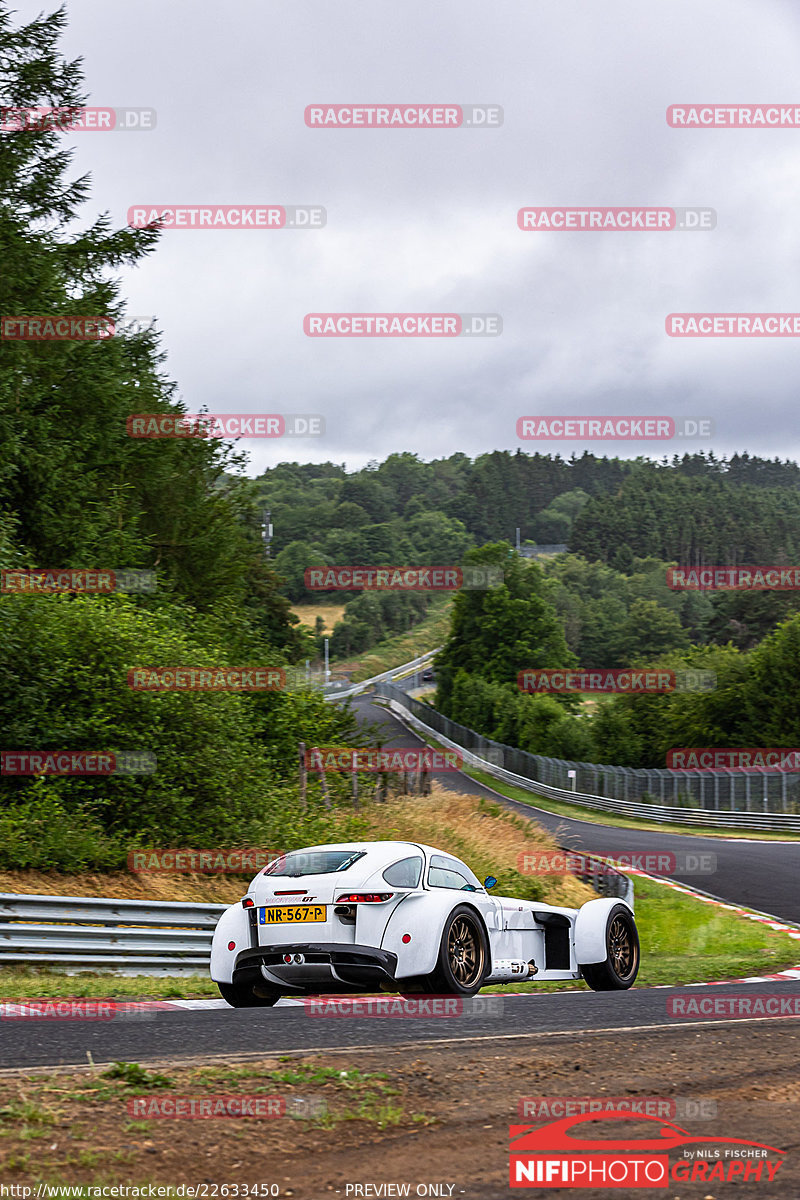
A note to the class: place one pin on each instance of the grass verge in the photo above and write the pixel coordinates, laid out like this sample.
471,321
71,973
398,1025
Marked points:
684,940
394,651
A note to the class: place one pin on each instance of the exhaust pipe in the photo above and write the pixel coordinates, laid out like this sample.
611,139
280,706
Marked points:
512,968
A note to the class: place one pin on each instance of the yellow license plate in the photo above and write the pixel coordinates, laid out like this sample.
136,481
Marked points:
293,914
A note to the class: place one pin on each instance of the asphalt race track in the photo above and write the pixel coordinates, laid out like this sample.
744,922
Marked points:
261,1032
764,875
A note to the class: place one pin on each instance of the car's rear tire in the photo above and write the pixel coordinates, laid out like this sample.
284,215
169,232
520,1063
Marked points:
463,961
621,965
244,995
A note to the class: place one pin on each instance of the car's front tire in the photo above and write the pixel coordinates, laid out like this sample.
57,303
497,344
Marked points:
244,995
621,965
463,961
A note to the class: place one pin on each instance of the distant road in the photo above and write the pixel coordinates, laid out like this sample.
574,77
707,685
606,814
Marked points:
759,874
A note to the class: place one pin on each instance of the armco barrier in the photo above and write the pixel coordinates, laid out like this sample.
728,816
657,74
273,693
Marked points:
130,936
385,676
430,723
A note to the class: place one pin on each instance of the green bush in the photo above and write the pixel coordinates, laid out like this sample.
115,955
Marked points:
223,759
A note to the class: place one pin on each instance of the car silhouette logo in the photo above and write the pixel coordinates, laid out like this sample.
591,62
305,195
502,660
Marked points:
557,1136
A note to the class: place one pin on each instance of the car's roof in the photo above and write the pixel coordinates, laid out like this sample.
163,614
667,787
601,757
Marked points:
388,847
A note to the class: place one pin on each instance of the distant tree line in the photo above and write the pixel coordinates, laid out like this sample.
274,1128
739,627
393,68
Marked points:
574,613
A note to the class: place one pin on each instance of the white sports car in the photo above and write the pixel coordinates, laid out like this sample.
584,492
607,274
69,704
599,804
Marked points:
404,917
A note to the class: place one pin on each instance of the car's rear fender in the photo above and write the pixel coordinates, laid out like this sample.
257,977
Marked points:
590,929
423,916
233,926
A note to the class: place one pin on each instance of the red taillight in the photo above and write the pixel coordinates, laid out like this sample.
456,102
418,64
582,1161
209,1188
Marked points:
231,945
302,892
248,903
364,897
406,938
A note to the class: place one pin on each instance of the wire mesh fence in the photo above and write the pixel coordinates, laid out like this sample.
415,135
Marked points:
774,792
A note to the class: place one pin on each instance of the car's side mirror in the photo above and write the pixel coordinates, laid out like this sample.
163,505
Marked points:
489,882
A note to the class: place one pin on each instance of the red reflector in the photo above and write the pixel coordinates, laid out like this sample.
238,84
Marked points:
231,945
406,938
302,892
287,958
365,897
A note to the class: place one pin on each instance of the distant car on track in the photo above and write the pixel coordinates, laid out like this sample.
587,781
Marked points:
429,675
403,916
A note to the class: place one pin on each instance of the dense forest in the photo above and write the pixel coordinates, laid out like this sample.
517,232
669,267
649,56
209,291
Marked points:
626,520
695,504
76,491
573,613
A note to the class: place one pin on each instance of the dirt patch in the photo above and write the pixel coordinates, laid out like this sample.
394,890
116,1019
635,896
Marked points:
417,1115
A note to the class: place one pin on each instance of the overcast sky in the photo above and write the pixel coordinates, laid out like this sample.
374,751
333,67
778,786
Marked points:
425,220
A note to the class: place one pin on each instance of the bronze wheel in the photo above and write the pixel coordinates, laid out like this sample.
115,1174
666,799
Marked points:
621,965
622,950
463,955
465,951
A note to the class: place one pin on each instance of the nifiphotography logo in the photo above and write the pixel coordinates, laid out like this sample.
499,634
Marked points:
569,1153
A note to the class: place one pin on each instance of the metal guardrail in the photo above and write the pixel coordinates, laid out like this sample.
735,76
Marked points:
130,936
431,723
385,676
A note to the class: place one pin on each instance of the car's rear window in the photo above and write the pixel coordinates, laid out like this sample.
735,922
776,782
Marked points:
313,862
